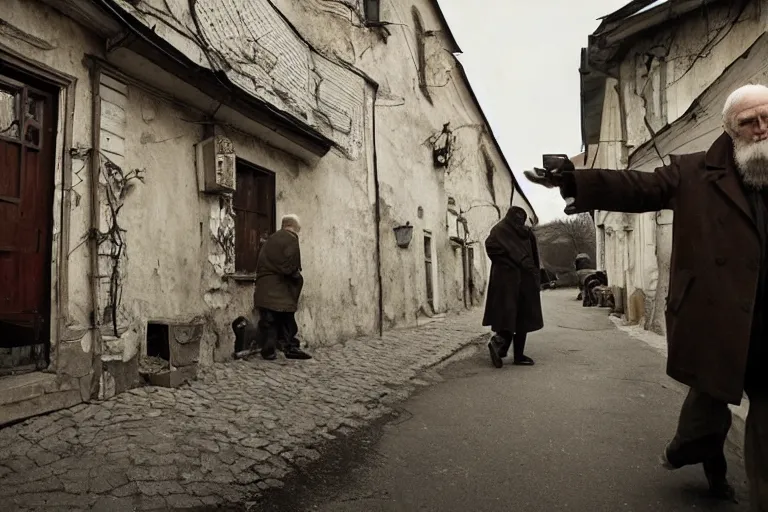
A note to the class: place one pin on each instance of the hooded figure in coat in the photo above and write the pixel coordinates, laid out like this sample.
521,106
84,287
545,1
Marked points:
513,303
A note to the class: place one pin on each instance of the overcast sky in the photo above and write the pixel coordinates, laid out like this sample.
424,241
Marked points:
522,57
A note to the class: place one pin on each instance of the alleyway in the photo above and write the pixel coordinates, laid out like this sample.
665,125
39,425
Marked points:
581,431
235,433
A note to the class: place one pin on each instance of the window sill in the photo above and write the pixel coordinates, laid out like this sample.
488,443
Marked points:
245,278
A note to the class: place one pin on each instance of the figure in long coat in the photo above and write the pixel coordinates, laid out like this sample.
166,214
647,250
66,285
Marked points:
717,309
278,287
513,302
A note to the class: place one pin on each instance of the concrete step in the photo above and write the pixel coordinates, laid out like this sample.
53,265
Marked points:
31,394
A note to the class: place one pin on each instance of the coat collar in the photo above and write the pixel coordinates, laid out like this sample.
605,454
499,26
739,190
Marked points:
720,154
721,167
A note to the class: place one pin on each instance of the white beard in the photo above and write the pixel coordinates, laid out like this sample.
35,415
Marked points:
752,162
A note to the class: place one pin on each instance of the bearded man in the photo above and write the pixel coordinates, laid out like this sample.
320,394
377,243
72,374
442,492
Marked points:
716,309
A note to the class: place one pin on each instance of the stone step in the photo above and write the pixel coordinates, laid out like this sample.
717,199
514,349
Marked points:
22,396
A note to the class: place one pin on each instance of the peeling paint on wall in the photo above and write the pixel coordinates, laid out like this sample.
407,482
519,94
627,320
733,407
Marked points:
222,226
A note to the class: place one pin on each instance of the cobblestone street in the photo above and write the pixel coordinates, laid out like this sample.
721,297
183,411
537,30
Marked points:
236,432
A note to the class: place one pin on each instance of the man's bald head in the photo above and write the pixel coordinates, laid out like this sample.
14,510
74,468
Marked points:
745,119
741,103
291,222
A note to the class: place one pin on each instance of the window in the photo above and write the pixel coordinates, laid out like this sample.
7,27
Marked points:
372,11
254,205
428,269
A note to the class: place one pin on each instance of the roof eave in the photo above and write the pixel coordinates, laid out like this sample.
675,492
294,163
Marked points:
446,28
492,136
622,26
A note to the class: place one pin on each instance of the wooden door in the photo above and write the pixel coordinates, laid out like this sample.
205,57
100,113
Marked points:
254,205
471,276
26,217
428,270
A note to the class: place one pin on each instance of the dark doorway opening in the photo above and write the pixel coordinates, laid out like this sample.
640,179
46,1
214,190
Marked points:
158,341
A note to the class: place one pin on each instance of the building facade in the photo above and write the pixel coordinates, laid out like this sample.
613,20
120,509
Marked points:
655,77
149,147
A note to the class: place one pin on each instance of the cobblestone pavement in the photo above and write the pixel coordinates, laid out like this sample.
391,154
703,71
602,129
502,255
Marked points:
236,432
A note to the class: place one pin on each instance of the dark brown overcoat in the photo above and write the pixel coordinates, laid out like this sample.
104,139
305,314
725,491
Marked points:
278,273
513,300
716,254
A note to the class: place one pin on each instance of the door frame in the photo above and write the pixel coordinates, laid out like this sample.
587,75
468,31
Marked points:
62,88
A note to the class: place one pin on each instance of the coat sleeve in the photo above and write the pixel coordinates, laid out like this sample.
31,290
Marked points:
498,253
493,248
506,252
622,191
535,250
290,263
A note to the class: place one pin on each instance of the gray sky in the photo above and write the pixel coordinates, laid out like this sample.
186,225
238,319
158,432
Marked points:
522,57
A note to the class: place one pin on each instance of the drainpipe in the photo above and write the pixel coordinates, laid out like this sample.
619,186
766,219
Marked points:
94,230
377,213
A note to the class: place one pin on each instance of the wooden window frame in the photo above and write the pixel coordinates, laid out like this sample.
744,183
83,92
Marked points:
241,273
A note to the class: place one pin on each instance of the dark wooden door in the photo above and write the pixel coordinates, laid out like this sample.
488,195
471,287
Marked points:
470,276
254,205
26,217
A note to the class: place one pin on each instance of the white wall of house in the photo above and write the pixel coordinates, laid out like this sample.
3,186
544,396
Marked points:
660,77
178,262
405,120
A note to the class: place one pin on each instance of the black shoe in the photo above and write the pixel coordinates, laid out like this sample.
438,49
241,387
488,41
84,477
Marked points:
715,470
296,353
494,350
269,356
667,458
523,361
720,489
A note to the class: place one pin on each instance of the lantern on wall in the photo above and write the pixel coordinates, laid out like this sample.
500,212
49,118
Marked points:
403,235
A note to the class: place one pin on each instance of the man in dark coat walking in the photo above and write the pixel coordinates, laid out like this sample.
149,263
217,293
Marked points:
513,301
278,287
717,327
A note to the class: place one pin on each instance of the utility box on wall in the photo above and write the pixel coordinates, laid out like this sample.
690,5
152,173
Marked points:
215,161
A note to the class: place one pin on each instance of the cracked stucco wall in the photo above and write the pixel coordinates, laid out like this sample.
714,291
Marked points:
659,79
174,270
178,271
412,189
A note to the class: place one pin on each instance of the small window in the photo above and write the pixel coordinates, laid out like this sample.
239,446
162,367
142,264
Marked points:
428,269
372,11
254,205
9,113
